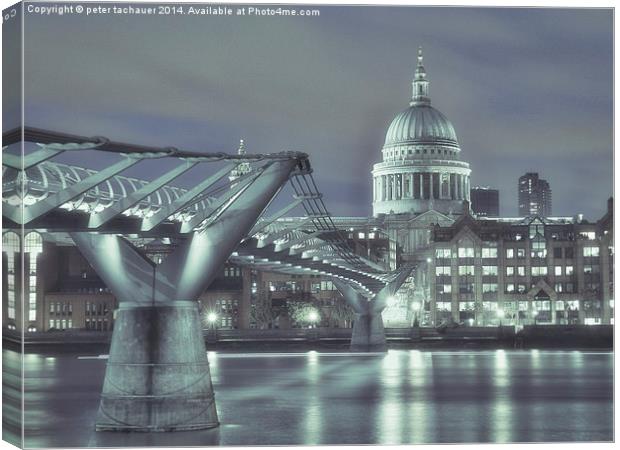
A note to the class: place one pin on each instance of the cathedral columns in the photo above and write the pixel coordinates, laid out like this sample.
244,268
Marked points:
421,186
383,188
430,184
467,188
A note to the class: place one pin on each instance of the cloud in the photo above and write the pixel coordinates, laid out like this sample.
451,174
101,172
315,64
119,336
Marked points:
527,89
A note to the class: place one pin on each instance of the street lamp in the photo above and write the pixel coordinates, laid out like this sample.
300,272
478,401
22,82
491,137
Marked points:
212,318
313,317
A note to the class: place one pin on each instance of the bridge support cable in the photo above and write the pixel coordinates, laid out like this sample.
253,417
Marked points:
45,152
264,223
305,187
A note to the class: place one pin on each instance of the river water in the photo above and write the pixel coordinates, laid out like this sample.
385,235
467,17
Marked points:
308,398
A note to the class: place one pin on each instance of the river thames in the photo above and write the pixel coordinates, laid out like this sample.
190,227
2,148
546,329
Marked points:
308,398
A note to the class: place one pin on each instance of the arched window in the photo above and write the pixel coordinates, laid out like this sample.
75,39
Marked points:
10,245
33,245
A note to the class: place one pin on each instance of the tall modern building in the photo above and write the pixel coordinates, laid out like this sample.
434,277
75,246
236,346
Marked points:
534,196
484,201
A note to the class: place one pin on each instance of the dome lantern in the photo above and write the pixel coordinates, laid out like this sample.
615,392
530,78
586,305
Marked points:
420,95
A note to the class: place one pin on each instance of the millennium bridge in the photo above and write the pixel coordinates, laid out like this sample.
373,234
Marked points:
157,376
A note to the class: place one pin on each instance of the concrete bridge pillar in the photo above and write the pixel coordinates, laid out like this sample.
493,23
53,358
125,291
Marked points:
368,332
157,377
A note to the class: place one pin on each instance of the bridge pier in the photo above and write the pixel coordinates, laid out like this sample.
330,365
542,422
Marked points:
368,333
157,376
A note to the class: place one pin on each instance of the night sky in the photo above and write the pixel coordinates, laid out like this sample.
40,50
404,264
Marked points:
526,89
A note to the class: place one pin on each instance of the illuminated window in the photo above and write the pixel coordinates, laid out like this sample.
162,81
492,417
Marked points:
590,235
522,306
443,253
443,306
466,252
466,270
538,271
489,252
573,304
467,306
558,271
10,245
442,270
521,271
489,287
591,251
520,253
510,288
510,270
489,270
33,245
327,286
510,253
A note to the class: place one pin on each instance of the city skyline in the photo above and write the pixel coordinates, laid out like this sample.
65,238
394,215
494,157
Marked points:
510,80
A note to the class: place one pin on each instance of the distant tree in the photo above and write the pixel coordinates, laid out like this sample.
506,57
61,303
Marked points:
262,312
341,312
299,312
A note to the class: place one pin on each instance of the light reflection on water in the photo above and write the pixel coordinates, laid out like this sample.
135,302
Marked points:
339,398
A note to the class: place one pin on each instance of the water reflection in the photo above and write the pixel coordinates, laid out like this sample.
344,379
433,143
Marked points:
338,398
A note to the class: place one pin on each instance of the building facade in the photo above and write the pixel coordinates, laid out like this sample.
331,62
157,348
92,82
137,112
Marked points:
534,196
522,271
484,201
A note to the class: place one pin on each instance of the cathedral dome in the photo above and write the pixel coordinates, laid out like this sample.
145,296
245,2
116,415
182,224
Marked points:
420,123
421,168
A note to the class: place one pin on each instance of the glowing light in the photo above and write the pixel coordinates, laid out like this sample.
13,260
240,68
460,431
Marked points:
212,317
471,322
428,260
313,316
500,313
392,301
415,306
